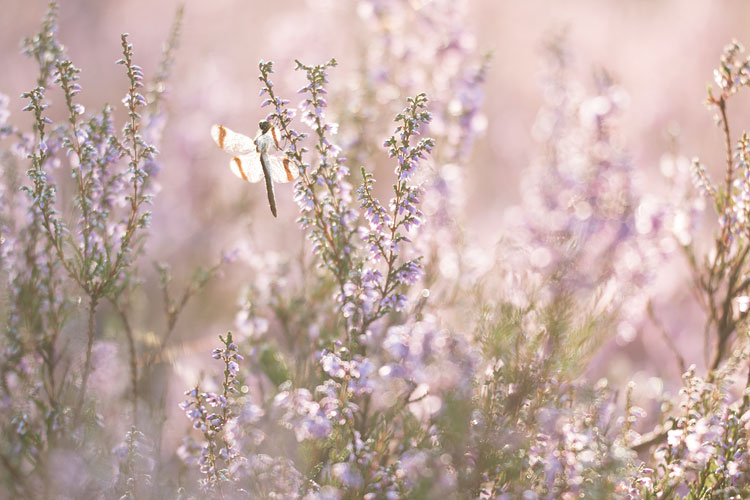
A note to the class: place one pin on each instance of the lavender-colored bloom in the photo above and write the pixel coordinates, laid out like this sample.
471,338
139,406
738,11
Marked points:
301,414
347,474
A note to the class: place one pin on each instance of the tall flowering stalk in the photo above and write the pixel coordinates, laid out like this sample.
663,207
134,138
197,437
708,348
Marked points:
386,227
323,194
210,412
321,191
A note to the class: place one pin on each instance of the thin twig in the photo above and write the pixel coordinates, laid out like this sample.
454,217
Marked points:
133,360
670,343
87,362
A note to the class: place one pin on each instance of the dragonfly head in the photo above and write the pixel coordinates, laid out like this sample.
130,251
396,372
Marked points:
264,126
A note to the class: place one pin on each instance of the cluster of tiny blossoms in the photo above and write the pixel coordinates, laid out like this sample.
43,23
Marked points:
704,454
384,236
210,413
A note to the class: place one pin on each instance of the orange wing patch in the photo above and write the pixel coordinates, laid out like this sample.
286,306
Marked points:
240,170
289,175
275,139
230,141
222,135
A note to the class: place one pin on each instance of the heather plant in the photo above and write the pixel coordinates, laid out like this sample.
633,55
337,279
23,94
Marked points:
351,404
72,234
388,358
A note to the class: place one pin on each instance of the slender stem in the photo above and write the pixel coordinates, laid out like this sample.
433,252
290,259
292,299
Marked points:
728,145
87,362
133,361
667,338
726,324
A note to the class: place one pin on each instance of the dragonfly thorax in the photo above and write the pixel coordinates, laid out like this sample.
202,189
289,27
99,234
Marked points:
264,142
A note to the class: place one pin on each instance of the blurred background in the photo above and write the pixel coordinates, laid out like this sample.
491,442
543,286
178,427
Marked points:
661,52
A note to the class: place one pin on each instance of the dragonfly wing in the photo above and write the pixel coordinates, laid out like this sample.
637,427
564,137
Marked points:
230,141
247,167
282,170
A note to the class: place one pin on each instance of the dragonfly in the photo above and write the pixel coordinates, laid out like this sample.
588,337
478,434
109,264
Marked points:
253,160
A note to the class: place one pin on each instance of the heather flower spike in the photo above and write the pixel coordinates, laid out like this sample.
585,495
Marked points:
253,161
